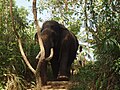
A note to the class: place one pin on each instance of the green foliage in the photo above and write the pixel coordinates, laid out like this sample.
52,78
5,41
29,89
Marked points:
104,26
100,20
68,14
10,57
85,77
14,82
116,66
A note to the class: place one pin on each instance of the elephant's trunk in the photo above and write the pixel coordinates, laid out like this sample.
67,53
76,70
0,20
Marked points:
48,58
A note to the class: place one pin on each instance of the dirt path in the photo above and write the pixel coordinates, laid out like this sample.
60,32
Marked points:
58,85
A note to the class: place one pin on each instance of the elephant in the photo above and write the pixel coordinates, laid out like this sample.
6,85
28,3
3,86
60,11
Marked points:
64,44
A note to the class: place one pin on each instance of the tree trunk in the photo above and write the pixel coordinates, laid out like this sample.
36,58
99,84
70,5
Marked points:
38,69
19,41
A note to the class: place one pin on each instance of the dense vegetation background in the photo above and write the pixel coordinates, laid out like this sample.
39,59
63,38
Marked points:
96,23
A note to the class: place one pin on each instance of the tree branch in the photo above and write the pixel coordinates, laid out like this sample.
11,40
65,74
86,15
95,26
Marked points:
42,57
66,5
38,27
19,41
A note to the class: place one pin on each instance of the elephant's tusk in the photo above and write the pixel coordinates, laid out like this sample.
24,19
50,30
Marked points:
48,58
51,55
37,57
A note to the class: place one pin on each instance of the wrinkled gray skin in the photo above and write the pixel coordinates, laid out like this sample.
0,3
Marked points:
64,44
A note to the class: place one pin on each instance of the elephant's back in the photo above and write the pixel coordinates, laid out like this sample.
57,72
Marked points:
72,39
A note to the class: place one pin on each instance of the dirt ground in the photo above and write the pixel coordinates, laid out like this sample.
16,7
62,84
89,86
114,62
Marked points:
58,85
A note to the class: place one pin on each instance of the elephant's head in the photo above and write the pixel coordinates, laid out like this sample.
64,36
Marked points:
53,25
47,39
50,34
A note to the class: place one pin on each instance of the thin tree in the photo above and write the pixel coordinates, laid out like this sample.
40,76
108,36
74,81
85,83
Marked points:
37,71
38,78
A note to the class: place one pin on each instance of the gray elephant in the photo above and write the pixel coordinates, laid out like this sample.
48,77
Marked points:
63,45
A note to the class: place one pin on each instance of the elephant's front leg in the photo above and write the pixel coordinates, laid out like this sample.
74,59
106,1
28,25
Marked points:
63,69
43,72
55,67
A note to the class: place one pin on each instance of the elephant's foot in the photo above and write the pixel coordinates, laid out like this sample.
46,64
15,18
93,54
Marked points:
62,78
